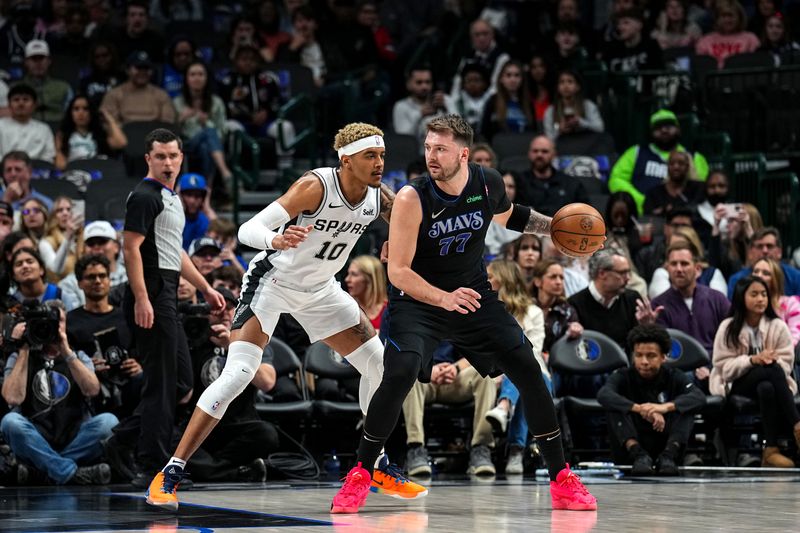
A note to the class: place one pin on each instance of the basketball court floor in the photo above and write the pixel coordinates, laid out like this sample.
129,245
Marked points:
750,500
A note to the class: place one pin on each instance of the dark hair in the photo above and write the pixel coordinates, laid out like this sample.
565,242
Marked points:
163,136
502,97
478,69
226,273
580,99
763,232
549,82
650,333
679,212
207,93
539,270
16,155
676,246
305,11
138,3
32,252
516,244
67,127
112,49
24,89
625,198
738,310
454,124
416,166
11,241
90,260
178,39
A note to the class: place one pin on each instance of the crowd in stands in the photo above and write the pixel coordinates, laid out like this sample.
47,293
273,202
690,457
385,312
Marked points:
682,251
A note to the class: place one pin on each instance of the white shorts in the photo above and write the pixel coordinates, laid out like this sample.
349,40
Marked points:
322,313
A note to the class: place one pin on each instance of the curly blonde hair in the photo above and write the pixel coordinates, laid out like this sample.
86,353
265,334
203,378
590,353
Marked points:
353,132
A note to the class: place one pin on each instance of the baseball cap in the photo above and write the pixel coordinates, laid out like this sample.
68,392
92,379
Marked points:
192,182
663,116
203,242
99,229
6,209
227,294
140,58
37,47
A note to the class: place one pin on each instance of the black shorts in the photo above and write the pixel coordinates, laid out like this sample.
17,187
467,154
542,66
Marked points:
482,337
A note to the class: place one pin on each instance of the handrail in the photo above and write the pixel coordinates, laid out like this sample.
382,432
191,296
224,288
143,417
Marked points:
308,135
249,177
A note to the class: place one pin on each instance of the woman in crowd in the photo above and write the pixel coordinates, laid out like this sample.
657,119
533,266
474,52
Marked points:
366,283
87,132
269,29
729,36
505,278
776,38
34,219
764,10
541,83
560,317
570,111
483,155
786,307
673,27
734,225
62,240
509,108
104,72
242,32
753,357
180,55
526,251
28,274
13,242
710,276
201,114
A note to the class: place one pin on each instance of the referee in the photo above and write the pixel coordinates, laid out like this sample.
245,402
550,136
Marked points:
155,260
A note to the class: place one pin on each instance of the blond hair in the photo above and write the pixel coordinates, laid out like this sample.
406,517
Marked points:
375,274
512,291
353,132
55,237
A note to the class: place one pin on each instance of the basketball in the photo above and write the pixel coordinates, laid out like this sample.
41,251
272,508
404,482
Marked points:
578,230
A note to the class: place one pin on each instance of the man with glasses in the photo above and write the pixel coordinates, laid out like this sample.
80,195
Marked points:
766,244
643,166
137,99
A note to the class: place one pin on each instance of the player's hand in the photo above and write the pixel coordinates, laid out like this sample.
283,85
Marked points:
143,313
658,422
463,300
645,314
291,237
385,252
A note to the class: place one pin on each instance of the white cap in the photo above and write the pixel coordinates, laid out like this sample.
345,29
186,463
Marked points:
99,228
37,48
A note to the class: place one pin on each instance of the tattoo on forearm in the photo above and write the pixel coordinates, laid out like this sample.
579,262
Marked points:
538,223
387,201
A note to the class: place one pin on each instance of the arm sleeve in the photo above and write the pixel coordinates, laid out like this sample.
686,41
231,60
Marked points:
258,231
609,394
54,259
141,211
622,176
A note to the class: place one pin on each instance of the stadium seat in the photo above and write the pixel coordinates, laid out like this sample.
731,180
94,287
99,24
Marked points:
105,198
506,144
56,187
750,60
323,362
100,168
515,163
585,143
400,151
287,364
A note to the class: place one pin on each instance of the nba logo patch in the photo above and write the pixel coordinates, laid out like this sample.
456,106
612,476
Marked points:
215,406
377,140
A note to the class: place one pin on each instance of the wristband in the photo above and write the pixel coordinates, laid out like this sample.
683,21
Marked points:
71,357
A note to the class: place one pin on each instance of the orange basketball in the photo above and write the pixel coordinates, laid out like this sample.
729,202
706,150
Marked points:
578,230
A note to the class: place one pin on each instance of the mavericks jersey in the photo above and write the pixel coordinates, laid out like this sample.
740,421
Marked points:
337,226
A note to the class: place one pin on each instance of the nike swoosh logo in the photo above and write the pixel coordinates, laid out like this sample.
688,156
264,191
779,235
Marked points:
243,370
434,215
553,437
335,206
377,482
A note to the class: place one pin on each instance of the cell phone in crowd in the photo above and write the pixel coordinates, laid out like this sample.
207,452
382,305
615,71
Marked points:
732,210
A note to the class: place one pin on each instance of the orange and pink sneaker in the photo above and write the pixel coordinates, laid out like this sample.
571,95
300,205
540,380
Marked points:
389,480
568,493
353,493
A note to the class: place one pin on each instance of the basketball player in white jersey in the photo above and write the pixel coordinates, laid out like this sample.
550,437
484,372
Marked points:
295,274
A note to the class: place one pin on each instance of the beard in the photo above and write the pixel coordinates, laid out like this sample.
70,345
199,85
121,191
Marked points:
447,173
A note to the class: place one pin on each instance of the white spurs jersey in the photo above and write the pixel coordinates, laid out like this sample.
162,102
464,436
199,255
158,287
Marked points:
337,225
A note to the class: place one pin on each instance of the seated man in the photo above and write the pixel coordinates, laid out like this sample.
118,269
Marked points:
766,243
100,330
234,450
53,95
21,132
17,173
451,382
47,384
650,405
138,99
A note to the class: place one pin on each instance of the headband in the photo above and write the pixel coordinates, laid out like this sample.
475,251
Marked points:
372,141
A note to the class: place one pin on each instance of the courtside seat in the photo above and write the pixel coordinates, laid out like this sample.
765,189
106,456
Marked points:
323,362
286,363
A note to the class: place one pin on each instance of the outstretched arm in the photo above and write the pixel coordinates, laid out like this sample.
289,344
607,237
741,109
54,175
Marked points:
524,219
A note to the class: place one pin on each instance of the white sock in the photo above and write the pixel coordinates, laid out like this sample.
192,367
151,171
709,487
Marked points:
177,462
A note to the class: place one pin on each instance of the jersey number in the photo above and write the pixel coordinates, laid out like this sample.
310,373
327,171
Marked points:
335,252
461,240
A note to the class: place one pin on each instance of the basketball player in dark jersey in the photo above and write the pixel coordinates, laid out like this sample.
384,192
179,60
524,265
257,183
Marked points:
440,291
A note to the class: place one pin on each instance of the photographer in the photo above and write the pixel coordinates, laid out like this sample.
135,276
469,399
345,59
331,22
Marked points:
234,449
100,330
47,383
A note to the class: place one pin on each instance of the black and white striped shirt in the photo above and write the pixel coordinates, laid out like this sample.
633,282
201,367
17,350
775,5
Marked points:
155,211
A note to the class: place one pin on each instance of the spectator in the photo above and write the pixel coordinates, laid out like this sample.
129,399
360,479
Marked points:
452,381
651,257
234,450
269,29
570,111
709,276
12,242
412,113
34,219
643,166
99,238
766,242
764,10
62,239
4,109
775,38
56,18
204,253
624,233
242,33
680,189
73,42
52,95
734,226
99,16
717,187
22,26
366,283
786,307
673,28
55,417
650,406
753,357
137,99
165,11
136,36
20,131
633,51
369,17
526,251
485,52
509,108
498,237
541,83
28,274
506,280
228,277
225,232
560,318
6,220
104,73
470,101
87,133
193,192
549,189
568,13
99,330
17,170
569,51
182,52
607,305
483,155
304,47
201,115
729,36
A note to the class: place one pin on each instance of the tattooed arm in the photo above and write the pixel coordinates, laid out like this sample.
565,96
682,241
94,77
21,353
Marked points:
524,219
387,201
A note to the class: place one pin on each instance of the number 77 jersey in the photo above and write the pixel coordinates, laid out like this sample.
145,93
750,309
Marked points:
337,226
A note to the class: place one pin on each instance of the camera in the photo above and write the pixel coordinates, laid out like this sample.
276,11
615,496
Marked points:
41,323
195,322
110,348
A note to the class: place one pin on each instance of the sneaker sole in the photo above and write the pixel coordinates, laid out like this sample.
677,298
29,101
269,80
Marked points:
482,471
574,506
399,495
514,471
168,506
420,471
